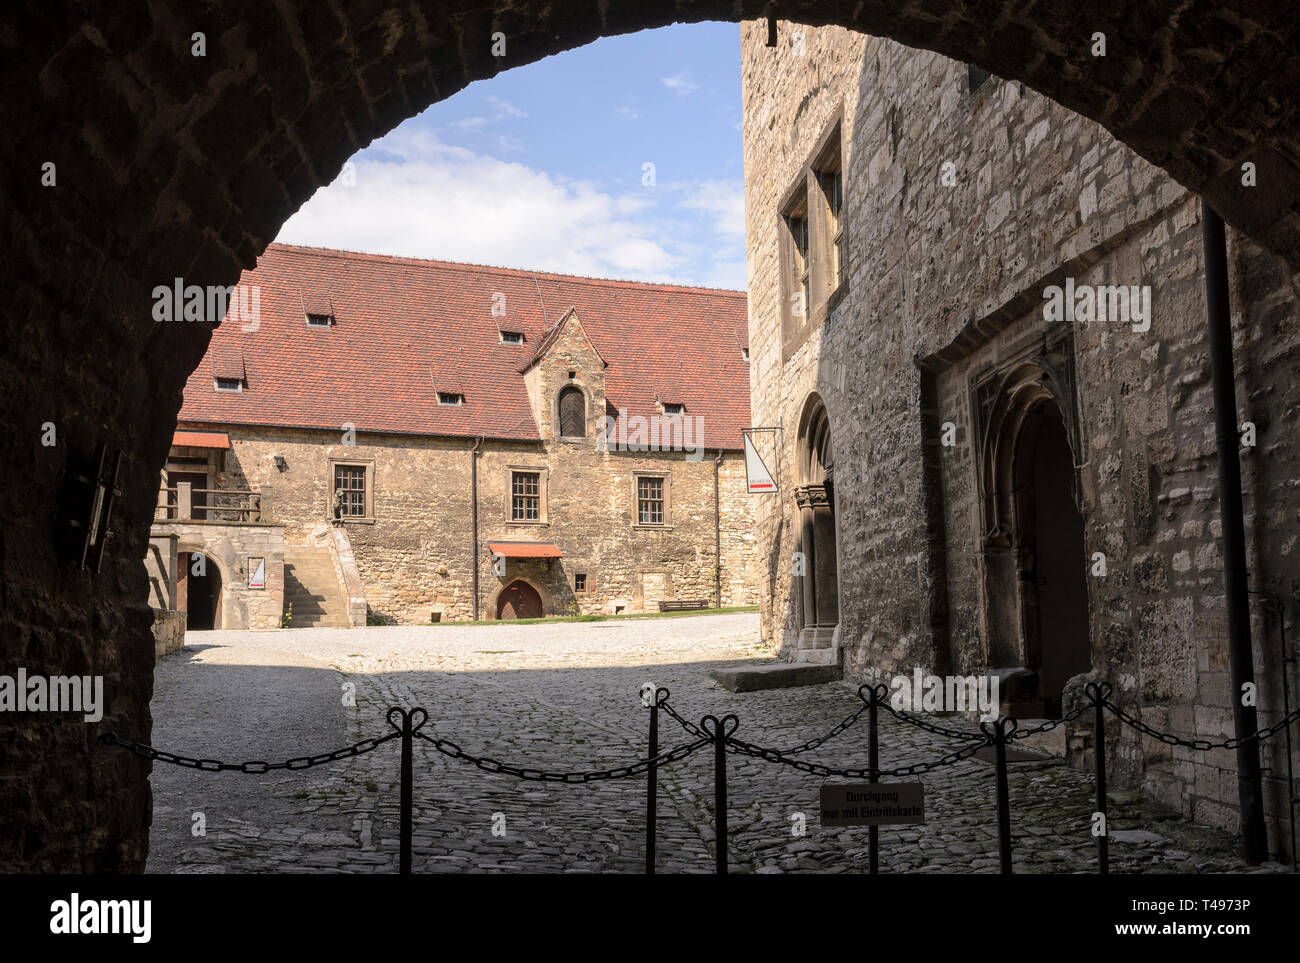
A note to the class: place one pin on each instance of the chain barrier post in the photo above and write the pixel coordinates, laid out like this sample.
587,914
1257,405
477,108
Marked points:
659,697
407,728
721,730
998,733
874,699
1098,693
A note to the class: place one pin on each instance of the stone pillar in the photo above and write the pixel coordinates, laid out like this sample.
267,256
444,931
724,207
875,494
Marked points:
184,501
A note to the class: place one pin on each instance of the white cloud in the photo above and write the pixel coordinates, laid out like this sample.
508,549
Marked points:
422,197
725,201
505,108
681,83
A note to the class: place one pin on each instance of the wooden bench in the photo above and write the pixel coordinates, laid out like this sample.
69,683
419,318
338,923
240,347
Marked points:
683,605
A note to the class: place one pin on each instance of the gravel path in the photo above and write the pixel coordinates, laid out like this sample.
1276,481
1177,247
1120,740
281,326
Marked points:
563,696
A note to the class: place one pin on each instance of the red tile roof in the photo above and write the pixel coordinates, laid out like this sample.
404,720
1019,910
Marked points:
525,549
201,439
407,328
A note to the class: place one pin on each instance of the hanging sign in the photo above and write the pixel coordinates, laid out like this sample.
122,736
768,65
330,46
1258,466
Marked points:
757,477
872,804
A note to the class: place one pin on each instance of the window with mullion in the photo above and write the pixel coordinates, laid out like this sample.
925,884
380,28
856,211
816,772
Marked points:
525,496
650,501
350,485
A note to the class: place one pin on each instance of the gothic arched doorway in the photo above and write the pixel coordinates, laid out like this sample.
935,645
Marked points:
198,591
815,496
519,600
1035,559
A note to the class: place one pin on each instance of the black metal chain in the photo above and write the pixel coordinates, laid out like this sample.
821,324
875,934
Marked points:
256,767
450,749
1052,724
772,755
912,720
1201,745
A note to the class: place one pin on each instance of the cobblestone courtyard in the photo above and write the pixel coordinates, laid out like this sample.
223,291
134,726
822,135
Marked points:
564,697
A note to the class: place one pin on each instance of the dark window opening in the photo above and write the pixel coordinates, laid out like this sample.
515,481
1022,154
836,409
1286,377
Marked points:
512,337
228,384
573,413
673,408
450,398
580,582
320,320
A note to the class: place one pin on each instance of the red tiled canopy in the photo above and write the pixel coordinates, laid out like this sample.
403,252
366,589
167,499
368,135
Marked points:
525,549
201,439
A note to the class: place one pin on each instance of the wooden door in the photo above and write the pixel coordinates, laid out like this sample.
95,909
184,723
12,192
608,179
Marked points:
519,600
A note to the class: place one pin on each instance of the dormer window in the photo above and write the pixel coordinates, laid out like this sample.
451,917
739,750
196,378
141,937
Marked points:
228,384
450,398
674,408
320,320
512,337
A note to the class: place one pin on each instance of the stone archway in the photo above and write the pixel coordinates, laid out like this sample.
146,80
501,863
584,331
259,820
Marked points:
198,591
519,600
165,165
1034,586
815,497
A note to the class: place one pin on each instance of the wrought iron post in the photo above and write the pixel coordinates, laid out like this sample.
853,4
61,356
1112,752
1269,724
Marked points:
1098,693
874,698
652,781
408,727
998,732
720,730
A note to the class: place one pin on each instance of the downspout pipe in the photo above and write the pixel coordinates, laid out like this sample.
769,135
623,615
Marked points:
1254,837
717,533
473,513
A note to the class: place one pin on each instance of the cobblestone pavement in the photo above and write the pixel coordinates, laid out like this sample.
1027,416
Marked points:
563,696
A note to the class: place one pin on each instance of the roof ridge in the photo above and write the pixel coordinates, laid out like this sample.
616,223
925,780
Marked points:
584,278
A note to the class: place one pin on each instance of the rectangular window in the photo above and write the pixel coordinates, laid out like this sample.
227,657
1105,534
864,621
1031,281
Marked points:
350,491
525,496
799,301
832,184
450,398
320,320
673,408
228,384
649,500
512,337
579,583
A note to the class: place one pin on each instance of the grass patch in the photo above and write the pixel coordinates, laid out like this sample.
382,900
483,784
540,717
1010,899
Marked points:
726,610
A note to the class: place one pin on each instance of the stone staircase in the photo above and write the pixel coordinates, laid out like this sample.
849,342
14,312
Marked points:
312,587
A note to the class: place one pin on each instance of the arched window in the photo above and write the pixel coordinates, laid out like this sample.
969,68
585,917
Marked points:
573,412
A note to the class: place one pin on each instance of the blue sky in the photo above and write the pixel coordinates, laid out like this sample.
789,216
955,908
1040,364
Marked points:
543,166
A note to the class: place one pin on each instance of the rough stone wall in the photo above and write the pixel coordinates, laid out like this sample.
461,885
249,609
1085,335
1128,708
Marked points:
416,556
230,547
944,280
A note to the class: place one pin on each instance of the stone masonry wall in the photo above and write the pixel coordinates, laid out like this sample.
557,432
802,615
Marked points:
416,556
230,547
945,278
